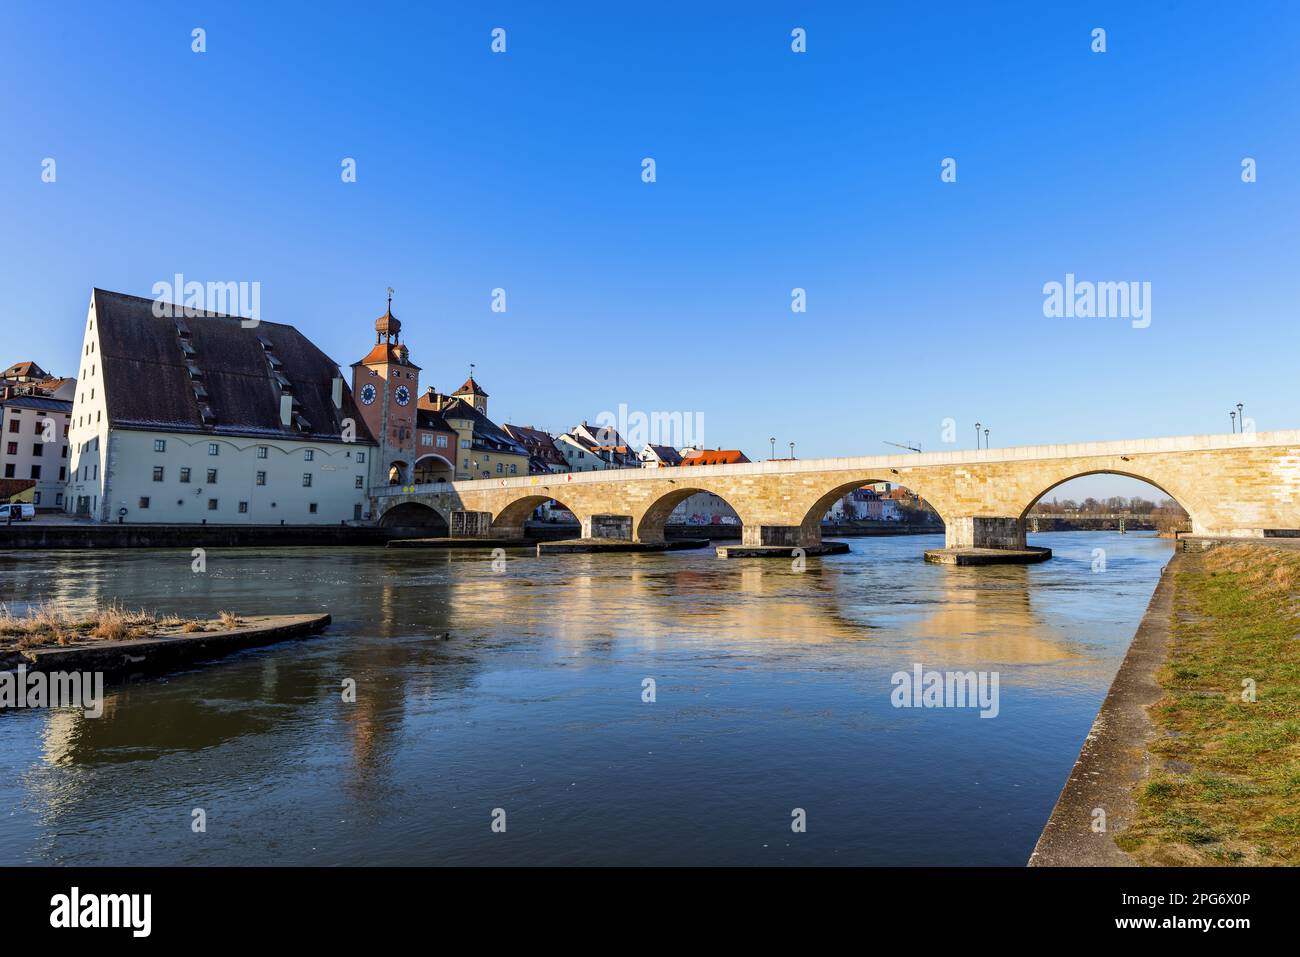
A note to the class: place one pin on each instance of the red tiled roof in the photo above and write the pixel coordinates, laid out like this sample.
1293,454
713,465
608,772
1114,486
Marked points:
715,457
472,387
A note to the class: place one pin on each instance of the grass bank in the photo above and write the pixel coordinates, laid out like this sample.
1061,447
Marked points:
1224,786
47,625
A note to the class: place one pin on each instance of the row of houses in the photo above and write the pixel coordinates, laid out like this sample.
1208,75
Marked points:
176,417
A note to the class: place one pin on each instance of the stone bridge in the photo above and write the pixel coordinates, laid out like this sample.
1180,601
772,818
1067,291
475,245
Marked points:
1232,485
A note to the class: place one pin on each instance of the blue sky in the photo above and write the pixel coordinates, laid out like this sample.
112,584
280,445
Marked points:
775,170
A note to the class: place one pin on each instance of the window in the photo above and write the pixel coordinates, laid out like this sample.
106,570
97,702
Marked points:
500,468
144,501
157,473
212,476
360,482
37,449
15,425
308,454
243,508
312,508
261,478
442,441
212,505
261,451
36,498
185,475
306,480
12,448
9,470
63,473
160,445
213,448
514,469
426,439
58,498
36,471
464,443
361,457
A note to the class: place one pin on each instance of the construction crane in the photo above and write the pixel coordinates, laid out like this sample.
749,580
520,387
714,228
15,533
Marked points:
910,448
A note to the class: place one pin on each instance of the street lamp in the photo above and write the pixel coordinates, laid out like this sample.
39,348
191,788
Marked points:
1241,418
1233,416
977,435
773,441
791,450
986,438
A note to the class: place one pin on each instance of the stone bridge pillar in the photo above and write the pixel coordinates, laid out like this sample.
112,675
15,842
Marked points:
976,532
784,535
617,527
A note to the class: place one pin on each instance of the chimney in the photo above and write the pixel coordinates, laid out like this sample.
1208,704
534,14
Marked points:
336,393
286,410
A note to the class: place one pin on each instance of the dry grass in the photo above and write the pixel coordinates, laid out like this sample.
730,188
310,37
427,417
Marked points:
48,624
1228,786
229,619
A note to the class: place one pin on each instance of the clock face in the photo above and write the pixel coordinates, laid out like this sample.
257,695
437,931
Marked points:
367,393
403,395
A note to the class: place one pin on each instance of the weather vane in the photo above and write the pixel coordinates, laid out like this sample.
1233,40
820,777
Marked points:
390,297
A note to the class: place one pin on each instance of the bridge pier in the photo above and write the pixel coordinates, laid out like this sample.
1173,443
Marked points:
785,536
615,527
985,540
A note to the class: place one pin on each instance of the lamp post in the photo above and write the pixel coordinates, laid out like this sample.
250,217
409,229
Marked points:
773,441
1233,416
977,435
791,450
1241,418
986,438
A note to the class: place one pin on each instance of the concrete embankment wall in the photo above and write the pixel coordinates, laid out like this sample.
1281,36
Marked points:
34,535
1114,758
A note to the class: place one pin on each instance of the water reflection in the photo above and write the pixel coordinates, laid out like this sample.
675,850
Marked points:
773,688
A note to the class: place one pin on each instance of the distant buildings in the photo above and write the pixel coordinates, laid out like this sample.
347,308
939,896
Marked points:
34,408
544,457
484,449
203,420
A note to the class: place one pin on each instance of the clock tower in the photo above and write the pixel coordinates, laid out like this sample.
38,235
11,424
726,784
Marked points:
386,384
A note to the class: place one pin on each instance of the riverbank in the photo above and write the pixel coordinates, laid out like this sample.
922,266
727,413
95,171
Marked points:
1193,758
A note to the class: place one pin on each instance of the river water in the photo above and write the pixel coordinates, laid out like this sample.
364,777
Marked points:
772,693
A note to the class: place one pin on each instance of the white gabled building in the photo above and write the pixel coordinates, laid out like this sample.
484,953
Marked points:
180,420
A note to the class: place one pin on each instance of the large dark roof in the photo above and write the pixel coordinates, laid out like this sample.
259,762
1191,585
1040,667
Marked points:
40,402
149,378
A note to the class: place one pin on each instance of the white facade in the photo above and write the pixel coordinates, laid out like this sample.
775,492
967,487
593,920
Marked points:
34,447
174,478
578,456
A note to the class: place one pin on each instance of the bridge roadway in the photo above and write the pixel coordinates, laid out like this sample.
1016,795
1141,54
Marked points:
1241,485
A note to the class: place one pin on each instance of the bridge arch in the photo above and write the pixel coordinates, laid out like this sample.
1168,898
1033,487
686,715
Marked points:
416,515
650,524
433,467
1181,498
512,517
810,528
